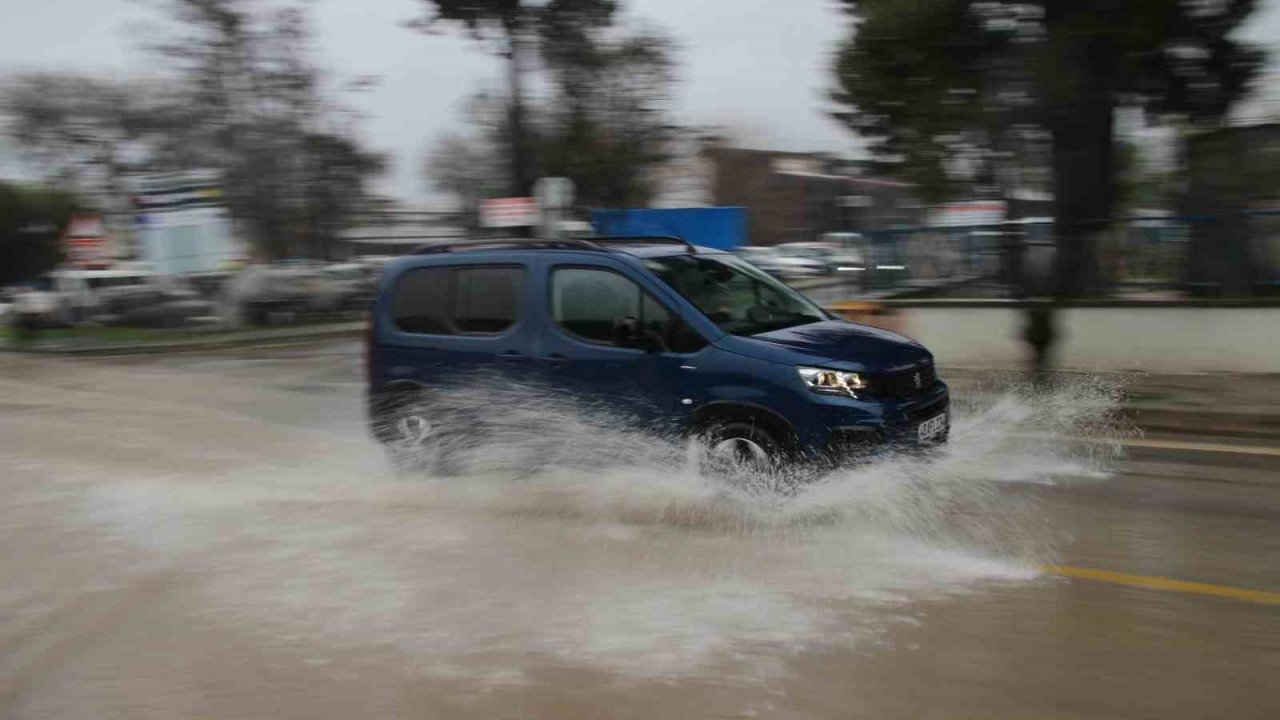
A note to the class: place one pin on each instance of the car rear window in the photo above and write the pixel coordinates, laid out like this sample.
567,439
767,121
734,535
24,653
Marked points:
487,299
471,300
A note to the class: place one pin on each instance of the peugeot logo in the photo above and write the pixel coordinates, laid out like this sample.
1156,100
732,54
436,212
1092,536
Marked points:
919,382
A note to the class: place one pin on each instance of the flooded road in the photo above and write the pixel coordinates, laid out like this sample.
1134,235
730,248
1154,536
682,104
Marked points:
215,536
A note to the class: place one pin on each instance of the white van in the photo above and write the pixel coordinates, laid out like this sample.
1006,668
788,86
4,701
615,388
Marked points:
79,292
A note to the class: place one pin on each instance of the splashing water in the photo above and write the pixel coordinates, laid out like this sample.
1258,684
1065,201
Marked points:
564,538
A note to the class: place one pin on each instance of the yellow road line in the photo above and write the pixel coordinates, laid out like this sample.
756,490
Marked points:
1159,583
1184,445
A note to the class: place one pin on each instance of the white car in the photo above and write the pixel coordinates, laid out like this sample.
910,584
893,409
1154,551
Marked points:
80,293
817,254
770,260
36,309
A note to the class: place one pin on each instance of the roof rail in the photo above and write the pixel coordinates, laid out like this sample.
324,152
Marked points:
506,244
646,240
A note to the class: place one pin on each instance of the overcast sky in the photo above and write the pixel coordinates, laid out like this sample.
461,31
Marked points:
758,67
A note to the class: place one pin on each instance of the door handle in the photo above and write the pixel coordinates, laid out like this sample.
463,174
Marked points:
511,355
555,359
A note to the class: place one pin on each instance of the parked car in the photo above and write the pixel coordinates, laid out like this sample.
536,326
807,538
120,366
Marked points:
687,340
845,252
163,305
80,293
351,285
36,307
261,294
833,257
778,264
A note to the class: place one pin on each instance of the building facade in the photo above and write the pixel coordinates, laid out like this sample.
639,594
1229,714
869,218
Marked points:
799,197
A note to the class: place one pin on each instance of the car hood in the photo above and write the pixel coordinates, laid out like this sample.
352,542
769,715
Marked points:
835,344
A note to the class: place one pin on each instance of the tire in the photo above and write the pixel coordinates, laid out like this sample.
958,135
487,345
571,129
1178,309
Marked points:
743,453
409,436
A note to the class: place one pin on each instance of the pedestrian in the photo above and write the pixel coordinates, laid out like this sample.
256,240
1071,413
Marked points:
1040,335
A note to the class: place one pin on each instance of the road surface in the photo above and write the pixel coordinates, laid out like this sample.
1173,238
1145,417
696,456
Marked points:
212,535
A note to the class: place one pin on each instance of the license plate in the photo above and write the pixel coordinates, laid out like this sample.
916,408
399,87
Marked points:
933,426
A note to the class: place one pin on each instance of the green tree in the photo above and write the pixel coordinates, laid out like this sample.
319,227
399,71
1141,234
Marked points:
942,85
519,31
468,167
31,221
242,94
607,126
604,124
81,132
252,102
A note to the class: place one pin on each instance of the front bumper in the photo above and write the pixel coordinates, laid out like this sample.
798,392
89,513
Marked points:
853,430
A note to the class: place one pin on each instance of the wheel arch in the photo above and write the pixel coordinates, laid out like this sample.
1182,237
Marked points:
738,411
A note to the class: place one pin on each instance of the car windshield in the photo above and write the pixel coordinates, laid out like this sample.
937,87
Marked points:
734,295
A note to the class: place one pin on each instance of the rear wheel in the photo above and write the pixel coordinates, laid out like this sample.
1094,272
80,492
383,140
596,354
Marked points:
409,436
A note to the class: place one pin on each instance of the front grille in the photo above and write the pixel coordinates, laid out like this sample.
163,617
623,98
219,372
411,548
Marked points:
908,383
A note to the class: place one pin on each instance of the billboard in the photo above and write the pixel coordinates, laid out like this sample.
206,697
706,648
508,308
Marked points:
182,224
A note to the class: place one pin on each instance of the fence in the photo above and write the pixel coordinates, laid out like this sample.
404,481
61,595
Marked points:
1235,255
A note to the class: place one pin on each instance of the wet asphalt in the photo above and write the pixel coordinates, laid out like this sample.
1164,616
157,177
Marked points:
214,535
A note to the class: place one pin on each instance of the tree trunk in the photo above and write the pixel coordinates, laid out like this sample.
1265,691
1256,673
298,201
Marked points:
1082,120
1083,205
521,166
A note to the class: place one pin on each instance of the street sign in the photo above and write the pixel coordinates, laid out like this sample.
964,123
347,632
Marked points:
509,212
85,242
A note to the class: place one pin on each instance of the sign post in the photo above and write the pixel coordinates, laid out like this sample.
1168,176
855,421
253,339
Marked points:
554,194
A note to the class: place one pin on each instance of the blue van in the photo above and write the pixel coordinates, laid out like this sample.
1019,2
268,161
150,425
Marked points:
683,339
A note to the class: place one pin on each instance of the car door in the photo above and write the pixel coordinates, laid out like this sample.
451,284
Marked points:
610,341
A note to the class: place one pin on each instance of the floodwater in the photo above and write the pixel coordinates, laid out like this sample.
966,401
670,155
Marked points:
217,537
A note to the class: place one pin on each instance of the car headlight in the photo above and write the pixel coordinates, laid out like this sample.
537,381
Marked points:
833,382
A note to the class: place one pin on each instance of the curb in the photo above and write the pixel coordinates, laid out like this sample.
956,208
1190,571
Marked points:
1204,422
253,339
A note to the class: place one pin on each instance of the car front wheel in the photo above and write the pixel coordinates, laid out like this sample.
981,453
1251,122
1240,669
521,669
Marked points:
741,451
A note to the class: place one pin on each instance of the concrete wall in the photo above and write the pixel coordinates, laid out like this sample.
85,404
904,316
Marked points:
1157,339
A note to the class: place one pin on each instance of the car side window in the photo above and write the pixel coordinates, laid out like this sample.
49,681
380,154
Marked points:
420,303
593,304
675,334
468,300
487,299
